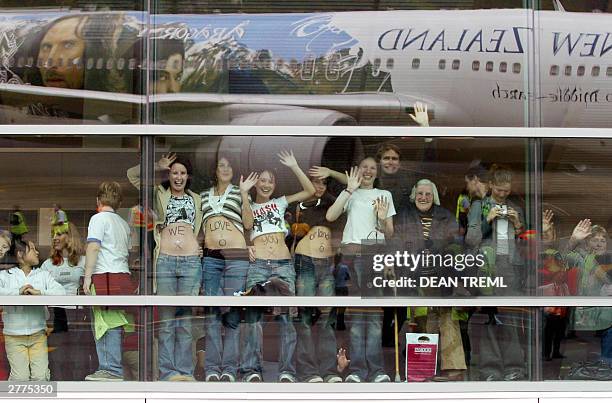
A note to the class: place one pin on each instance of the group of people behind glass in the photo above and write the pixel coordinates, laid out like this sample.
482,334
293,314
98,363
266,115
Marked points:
103,266
297,258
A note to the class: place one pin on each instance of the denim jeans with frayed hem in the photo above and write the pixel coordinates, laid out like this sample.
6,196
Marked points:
606,345
176,275
315,356
108,348
260,271
365,324
223,277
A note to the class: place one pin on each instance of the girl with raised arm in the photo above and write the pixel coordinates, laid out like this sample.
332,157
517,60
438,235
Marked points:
226,212
177,263
369,220
314,260
272,262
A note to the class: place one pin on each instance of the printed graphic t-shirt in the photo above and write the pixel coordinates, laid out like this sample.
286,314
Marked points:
269,217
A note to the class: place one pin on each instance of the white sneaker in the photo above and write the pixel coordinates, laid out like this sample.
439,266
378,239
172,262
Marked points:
225,377
333,379
382,378
354,378
103,376
286,377
315,379
212,377
254,377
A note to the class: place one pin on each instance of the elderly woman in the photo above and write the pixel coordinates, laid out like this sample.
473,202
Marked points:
425,226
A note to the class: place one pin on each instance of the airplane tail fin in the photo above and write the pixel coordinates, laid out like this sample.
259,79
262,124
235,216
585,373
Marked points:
558,6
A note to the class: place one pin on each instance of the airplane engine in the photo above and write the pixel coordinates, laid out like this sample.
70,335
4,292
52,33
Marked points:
295,117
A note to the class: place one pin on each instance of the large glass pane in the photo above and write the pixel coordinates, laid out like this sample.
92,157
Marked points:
67,343
576,258
341,344
339,63
50,190
574,70
71,62
464,230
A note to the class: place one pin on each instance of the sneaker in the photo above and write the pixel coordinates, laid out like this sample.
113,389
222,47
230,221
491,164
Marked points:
354,378
382,378
254,377
103,376
314,379
225,377
333,379
286,377
213,377
514,376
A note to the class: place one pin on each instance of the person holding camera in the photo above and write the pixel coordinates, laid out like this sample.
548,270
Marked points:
494,224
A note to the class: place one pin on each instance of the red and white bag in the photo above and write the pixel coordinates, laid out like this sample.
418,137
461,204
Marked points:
421,356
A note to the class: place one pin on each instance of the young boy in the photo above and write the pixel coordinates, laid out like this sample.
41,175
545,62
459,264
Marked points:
106,268
24,326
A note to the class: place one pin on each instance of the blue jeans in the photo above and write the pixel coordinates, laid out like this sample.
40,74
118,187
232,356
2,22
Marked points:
108,348
315,356
176,275
259,272
606,345
365,324
223,277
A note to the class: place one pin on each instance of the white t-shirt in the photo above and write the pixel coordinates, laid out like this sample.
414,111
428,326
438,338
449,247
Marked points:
67,275
113,234
269,217
361,217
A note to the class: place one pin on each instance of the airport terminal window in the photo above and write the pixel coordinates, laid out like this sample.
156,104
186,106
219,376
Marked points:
457,197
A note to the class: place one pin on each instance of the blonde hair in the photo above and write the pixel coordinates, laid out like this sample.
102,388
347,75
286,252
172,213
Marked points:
6,236
499,174
74,246
109,194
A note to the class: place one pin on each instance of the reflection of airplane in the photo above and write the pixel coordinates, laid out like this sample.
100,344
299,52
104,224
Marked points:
472,67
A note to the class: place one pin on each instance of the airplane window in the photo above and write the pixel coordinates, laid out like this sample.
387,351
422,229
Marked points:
442,64
121,63
489,66
554,70
416,63
503,67
595,71
609,71
390,63
99,63
516,68
568,70
30,61
475,65
377,63
109,64
20,62
456,64
132,64
580,70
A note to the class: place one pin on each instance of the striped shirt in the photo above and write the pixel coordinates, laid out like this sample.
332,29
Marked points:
228,205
